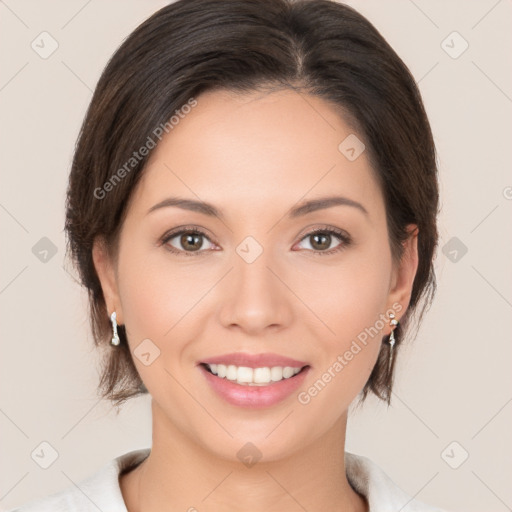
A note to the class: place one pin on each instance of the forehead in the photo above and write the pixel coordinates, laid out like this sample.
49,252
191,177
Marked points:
261,151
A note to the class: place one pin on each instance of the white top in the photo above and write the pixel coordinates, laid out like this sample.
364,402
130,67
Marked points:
101,491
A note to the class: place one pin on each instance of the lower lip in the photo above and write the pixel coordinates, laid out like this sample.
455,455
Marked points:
254,396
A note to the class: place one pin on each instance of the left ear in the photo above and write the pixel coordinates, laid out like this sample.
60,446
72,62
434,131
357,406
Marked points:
405,271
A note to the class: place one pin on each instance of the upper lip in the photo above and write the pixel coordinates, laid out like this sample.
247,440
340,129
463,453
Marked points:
254,360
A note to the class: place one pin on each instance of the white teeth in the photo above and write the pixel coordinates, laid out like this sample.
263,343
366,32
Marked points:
276,373
261,375
231,372
244,374
253,376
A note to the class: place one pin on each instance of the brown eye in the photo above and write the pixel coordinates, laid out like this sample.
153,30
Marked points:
191,242
321,241
186,242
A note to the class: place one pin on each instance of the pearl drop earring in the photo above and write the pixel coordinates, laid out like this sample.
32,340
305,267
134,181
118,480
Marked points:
115,337
393,322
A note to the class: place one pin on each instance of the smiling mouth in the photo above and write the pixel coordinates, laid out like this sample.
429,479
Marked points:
246,376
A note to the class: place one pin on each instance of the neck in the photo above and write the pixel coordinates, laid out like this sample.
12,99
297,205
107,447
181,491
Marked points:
186,476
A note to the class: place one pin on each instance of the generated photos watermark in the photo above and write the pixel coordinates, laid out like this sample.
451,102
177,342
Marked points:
143,151
305,397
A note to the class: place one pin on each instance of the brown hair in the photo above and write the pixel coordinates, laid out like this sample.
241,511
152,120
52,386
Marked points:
319,47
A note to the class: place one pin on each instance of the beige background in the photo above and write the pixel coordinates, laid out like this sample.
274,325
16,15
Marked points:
453,382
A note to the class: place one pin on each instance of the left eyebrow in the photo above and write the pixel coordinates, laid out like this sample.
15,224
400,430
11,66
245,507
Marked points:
188,204
324,202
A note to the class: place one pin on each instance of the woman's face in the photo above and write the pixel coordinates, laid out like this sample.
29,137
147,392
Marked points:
256,279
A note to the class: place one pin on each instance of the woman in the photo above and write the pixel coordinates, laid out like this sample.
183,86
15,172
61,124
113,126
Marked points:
252,207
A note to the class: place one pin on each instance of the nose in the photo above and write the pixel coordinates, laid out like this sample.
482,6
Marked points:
255,298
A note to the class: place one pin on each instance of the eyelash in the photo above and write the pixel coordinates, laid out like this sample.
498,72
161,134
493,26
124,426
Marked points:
341,235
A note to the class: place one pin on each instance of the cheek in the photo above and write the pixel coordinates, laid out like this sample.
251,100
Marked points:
145,294
347,296
156,288
349,299
162,301
155,297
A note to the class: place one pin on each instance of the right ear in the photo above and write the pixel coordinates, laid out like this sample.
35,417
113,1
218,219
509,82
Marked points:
106,273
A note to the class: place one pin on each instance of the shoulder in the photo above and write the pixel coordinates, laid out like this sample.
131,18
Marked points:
101,491
382,494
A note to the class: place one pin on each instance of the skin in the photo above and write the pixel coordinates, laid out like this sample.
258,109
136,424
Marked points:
253,156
